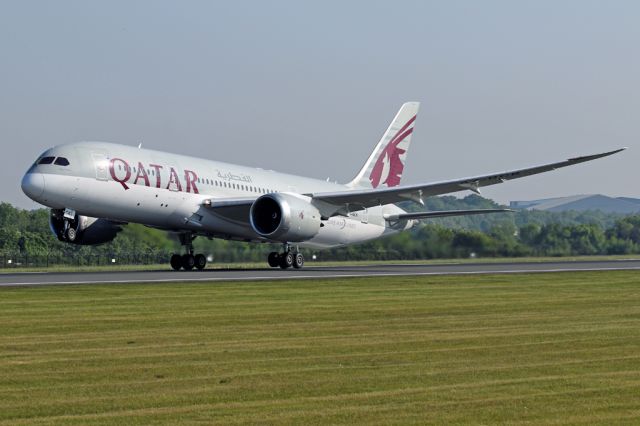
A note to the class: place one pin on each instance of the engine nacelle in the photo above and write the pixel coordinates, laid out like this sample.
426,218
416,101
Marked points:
82,230
284,217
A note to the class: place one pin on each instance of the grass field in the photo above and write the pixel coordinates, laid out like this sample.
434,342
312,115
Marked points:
543,348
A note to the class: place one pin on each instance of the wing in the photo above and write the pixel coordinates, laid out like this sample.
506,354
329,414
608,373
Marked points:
343,202
334,203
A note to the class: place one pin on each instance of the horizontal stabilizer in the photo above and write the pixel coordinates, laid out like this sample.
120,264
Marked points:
443,213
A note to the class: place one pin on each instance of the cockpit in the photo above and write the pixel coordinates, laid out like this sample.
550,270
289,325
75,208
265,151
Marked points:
47,169
58,161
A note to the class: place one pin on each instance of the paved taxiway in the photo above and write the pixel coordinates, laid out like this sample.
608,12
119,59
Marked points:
386,270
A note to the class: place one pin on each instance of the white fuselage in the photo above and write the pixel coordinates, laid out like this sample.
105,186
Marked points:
167,191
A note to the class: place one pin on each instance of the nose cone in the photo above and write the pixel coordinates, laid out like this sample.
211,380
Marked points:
33,185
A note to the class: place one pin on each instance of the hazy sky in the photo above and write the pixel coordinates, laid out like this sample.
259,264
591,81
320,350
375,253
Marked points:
308,88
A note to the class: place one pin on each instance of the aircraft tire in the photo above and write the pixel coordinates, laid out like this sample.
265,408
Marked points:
72,234
286,260
176,262
200,261
273,259
298,261
188,262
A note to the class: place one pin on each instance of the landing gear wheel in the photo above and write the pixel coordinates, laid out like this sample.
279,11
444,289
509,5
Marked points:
200,261
188,262
298,261
176,262
274,259
286,260
72,234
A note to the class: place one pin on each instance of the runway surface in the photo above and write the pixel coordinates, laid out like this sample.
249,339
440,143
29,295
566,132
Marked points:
386,270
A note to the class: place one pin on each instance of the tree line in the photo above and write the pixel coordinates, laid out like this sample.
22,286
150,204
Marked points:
522,233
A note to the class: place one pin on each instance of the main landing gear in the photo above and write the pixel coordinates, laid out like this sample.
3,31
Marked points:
286,259
188,261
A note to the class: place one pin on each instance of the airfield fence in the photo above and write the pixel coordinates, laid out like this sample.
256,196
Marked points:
54,259
61,259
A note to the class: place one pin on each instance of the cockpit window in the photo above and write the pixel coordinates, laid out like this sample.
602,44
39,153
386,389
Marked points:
46,160
61,161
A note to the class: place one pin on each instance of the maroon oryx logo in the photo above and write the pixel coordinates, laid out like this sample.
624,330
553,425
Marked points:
388,167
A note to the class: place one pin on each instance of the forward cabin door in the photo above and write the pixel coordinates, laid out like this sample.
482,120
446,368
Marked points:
101,163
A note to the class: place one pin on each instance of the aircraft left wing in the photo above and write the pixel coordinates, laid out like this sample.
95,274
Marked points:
341,203
235,210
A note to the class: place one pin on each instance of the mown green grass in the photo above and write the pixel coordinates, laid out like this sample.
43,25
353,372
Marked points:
543,348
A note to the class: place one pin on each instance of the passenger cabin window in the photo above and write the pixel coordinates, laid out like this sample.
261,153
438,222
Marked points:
46,160
61,161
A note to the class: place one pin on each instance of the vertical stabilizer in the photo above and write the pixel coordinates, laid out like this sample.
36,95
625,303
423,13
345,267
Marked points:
385,165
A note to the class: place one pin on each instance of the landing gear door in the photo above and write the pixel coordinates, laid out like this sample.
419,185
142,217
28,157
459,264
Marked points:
101,163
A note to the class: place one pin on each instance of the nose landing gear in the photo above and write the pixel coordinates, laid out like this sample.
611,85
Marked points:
286,259
188,261
65,225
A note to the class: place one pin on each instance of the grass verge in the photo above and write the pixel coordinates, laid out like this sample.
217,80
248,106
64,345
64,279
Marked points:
544,348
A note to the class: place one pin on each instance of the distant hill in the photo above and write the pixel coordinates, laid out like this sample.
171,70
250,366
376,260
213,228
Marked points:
629,199
586,202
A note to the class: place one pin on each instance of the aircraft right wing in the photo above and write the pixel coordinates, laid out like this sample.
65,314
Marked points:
342,202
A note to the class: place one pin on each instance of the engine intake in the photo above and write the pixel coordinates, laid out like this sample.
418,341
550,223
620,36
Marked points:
284,217
82,230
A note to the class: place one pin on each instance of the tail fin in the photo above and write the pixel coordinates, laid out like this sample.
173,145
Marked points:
385,164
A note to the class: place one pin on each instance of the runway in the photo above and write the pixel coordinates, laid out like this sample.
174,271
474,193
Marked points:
309,272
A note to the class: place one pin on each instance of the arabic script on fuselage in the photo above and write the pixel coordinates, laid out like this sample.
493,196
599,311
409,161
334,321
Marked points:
228,176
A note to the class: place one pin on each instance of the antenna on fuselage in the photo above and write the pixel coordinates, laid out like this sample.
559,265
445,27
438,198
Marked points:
140,145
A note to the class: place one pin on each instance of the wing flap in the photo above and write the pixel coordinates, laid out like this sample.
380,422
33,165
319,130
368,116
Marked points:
443,213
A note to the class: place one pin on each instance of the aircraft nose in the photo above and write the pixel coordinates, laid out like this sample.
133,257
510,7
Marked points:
33,185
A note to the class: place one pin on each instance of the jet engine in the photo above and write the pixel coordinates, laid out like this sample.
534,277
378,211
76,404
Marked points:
82,230
283,217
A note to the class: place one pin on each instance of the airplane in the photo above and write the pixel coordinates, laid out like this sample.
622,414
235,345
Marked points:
94,188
